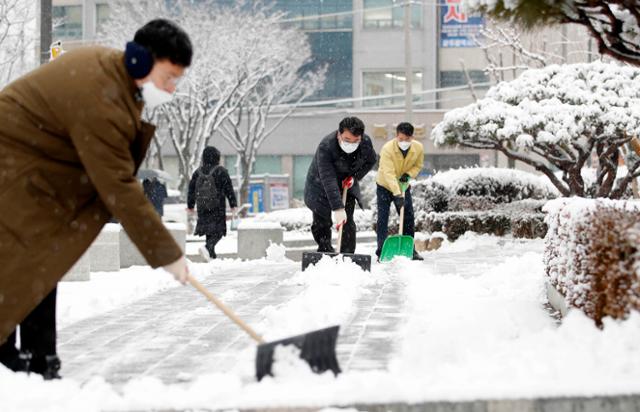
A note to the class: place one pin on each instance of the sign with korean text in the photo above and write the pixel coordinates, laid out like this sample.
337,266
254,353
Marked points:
457,28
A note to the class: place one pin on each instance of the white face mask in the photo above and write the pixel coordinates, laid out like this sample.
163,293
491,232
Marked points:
153,96
349,147
404,145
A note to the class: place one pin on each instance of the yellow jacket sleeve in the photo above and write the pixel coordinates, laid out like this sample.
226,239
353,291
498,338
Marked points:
387,171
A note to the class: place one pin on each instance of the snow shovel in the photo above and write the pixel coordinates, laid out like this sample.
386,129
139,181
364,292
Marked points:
311,258
317,348
398,245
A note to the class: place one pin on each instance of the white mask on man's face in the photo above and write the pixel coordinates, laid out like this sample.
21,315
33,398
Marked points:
153,96
404,145
348,147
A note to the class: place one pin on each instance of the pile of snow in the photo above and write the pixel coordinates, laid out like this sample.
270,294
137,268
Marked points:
460,338
109,290
276,252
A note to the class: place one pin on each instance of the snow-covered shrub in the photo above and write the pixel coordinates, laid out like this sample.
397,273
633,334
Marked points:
500,184
459,203
529,226
430,196
592,257
455,224
368,189
556,118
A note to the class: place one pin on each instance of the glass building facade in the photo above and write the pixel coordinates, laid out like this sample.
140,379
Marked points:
330,38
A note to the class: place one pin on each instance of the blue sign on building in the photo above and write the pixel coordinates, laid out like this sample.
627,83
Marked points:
457,28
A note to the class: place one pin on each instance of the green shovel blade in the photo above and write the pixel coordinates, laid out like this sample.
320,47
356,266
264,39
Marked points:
396,246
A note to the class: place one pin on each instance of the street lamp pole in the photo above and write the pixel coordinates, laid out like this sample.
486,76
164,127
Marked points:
46,9
408,72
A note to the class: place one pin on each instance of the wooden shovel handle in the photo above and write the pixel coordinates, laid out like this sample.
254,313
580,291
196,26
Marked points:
403,187
230,314
344,202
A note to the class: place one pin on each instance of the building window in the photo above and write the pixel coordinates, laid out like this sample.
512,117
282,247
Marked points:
300,168
389,83
442,162
304,14
335,50
102,15
67,22
389,14
452,78
267,164
263,164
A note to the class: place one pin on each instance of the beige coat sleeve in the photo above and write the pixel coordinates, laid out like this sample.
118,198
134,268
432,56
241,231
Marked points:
102,137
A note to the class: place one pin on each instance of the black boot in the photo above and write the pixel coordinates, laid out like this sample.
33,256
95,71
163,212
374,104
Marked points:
416,256
47,366
14,361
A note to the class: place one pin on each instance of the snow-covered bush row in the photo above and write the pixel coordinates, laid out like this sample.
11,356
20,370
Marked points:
591,255
300,219
521,219
483,200
499,184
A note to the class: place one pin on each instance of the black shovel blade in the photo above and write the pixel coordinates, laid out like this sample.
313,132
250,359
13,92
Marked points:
311,258
317,348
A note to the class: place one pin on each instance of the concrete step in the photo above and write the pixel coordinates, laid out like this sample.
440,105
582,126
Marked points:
295,247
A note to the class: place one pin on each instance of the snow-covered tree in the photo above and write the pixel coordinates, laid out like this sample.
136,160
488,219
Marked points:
216,82
555,118
277,66
245,63
17,39
614,24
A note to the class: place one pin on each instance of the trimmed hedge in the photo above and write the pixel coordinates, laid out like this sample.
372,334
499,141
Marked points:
591,255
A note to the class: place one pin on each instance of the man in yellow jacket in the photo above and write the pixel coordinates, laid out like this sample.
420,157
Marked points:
401,159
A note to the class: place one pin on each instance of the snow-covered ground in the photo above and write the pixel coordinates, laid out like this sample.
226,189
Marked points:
475,334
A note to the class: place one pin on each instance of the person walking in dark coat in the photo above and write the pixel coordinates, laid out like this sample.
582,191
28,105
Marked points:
342,159
156,192
209,187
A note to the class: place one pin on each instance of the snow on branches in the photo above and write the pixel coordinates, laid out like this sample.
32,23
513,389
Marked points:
244,62
614,24
555,117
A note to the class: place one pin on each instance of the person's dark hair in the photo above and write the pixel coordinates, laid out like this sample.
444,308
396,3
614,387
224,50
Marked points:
165,40
405,128
210,156
352,124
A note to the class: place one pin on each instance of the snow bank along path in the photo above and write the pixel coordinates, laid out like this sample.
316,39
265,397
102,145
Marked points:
485,336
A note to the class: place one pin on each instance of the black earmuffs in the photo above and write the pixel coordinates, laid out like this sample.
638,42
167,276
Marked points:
138,60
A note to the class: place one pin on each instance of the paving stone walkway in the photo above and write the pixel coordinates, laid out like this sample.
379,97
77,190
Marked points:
177,332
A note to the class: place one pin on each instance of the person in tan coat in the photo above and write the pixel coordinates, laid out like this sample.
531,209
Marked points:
401,159
71,142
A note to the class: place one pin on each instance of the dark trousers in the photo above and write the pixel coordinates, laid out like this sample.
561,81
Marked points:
37,331
212,241
322,227
385,199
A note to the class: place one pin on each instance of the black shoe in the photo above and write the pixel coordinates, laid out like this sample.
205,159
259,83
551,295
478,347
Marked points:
47,366
416,256
16,362
326,249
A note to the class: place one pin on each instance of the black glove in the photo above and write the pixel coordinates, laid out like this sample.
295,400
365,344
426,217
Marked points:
399,202
405,178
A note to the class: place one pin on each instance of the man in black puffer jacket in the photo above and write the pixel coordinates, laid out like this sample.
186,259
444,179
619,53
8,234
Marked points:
210,185
342,159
